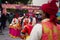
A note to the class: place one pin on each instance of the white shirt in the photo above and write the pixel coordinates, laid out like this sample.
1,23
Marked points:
16,21
34,21
36,32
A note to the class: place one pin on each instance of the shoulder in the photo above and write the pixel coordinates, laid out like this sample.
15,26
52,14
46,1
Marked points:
45,20
38,26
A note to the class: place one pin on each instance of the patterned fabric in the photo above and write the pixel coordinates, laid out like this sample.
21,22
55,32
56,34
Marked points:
25,21
27,38
27,29
50,31
14,29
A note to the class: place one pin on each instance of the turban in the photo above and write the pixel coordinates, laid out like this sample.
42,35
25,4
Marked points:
51,9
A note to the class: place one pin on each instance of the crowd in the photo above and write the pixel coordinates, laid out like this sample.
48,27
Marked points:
3,18
36,24
21,26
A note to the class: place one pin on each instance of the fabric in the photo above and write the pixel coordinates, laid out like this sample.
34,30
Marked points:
14,21
51,9
27,38
50,31
27,29
34,21
36,32
45,32
16,15
14,29
14,33
25,21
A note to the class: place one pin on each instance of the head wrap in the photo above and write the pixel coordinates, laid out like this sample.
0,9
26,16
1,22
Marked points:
51,8
16,15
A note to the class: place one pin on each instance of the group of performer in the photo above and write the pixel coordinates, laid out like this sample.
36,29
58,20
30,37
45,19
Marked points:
21,26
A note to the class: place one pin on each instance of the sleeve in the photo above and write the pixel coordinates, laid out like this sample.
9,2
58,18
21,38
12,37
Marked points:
12,21
16,21
34,21
24,30
36,32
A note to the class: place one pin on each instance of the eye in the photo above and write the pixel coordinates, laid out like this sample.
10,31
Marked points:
40,14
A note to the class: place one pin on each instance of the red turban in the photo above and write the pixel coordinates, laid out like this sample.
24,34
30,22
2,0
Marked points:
16,15
51,9
30,14
55,0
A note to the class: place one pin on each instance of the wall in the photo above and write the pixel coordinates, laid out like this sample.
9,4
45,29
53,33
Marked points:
40,2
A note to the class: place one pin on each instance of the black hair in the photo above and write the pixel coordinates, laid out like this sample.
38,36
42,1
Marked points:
22,21
47,15
31,19
1,8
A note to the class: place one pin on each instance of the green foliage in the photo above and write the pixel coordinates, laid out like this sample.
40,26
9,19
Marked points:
10,10
25,11
0,1
24,1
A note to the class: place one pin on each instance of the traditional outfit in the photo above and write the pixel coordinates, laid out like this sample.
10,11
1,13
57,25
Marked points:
31,17
28,27
14,28
44,31
48,29
27,30
25,21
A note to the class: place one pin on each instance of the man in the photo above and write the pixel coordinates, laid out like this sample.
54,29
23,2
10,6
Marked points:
0,19
48,29
0,23
3,19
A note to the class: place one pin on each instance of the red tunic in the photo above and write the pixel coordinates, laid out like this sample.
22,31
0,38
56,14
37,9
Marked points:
27,29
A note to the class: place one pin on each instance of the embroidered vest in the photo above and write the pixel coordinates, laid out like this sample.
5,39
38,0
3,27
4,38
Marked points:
50,31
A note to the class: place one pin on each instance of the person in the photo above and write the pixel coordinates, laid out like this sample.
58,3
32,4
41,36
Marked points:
4,19
0,23
15,27
27,30
48,28
28,26
31,17
10,17
39,16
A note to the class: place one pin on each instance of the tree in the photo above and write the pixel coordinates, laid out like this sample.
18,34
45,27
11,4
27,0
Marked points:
24,1
0,1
